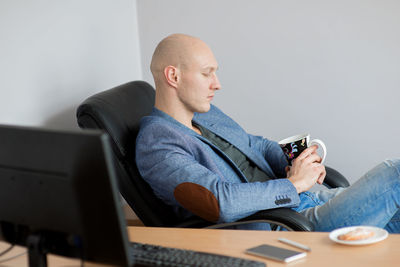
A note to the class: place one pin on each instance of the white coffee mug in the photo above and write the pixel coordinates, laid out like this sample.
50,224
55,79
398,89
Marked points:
294,145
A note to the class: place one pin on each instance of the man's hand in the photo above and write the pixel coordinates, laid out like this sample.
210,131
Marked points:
306,170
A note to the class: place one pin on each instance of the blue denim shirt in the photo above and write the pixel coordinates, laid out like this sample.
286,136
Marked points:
192,175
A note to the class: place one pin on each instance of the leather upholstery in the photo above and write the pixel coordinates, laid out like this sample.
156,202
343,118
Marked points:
118,111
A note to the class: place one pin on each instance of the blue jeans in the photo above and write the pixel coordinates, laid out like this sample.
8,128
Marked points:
373,200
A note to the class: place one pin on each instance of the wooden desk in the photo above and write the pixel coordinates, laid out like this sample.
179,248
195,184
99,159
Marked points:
233,243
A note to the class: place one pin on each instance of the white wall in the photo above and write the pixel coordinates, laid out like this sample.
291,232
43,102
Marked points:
54,54
330,68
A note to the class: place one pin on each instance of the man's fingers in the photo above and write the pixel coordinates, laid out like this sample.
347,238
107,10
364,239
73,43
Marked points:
307,152
322,176
312,158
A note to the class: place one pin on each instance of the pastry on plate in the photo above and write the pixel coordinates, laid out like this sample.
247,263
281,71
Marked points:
356,234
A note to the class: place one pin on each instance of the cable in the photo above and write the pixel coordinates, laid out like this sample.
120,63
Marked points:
11,246
7,250
13,257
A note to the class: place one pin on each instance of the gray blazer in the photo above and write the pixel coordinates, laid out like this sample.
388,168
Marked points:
192,175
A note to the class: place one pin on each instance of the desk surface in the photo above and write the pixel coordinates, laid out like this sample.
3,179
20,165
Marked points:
234,242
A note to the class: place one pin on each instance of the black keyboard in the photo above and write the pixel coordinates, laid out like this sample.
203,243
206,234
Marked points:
152,255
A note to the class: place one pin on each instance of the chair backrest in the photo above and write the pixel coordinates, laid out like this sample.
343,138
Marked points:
118,111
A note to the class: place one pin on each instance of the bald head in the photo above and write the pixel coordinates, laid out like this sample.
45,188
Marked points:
184,70
178,50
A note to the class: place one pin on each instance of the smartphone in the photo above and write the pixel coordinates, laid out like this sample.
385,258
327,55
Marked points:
276,253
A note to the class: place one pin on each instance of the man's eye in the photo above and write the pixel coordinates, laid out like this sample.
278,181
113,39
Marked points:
206,74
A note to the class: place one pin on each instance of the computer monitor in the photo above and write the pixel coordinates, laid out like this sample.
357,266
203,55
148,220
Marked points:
58,194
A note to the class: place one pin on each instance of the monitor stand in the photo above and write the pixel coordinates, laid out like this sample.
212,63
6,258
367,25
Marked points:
37,253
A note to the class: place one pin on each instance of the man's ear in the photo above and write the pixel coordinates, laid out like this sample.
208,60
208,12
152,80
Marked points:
171,74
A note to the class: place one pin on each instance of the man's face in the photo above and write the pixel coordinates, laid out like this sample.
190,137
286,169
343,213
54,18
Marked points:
199,80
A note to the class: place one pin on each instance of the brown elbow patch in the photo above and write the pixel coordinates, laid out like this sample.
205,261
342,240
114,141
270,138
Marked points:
198,200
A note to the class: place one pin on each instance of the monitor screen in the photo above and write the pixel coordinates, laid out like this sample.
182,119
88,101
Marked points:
58,194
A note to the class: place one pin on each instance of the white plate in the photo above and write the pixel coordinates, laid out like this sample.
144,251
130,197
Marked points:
380,234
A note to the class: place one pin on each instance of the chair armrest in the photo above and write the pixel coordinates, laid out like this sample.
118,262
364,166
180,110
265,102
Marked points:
335,179
288,218
285,217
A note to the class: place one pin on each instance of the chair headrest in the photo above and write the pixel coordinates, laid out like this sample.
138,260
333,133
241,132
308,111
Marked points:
118,111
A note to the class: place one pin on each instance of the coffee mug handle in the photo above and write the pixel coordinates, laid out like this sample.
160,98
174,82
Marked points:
321,145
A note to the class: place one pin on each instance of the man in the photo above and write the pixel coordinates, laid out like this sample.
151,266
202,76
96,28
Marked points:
199,161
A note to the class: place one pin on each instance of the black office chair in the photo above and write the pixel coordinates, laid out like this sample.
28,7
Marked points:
118,111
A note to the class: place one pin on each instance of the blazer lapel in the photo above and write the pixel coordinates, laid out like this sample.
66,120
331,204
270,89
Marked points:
241,142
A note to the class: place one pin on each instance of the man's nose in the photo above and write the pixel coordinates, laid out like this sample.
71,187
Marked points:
216,85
